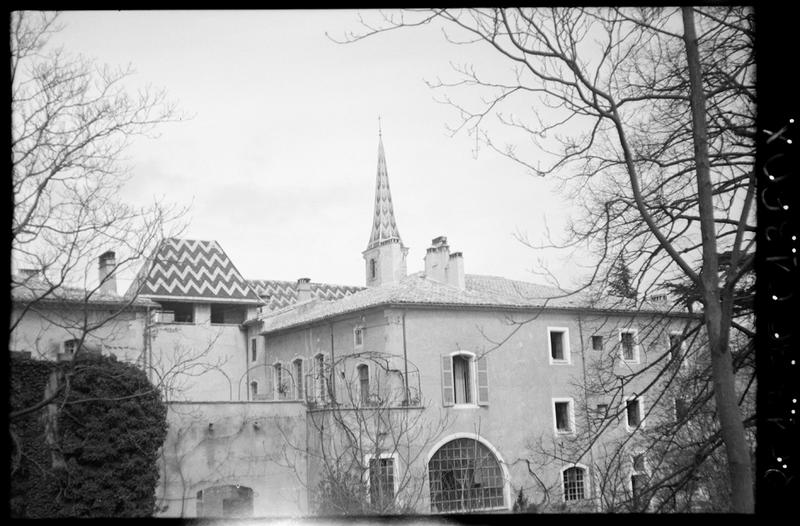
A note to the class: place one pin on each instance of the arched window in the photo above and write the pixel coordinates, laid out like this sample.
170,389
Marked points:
574,483
299,390
253,389
363,383
464,476
225,501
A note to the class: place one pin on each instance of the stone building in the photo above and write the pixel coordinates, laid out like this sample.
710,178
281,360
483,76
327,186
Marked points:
432,391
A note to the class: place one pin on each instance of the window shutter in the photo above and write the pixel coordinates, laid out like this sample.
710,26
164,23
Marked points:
483,382
447,381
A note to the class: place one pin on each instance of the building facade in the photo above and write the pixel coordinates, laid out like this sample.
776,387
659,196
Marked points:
434,391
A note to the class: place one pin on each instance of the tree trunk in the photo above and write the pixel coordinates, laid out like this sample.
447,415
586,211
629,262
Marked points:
717,326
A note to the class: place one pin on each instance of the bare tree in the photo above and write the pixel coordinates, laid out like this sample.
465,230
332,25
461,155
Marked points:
646,117
368,432
72,120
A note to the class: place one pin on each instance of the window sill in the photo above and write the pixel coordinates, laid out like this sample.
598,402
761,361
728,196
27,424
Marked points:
560,362
565,433
464,406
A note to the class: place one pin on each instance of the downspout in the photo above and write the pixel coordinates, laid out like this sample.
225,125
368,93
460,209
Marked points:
246,364
331,375
405,360
586,407
148,347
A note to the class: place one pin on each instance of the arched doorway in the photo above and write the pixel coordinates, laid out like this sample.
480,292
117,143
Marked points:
465,475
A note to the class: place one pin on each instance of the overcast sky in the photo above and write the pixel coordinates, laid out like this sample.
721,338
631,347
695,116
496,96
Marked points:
278,159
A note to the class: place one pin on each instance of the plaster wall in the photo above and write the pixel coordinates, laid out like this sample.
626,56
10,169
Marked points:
251,444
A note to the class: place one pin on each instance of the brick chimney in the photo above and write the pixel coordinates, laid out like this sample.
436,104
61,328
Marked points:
108,281
303,289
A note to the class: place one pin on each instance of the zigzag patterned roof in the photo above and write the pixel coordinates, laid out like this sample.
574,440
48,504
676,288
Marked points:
189,269
280,294
384,226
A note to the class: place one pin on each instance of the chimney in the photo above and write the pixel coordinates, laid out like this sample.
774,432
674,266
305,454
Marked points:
436,260
108,281
455,271
303,289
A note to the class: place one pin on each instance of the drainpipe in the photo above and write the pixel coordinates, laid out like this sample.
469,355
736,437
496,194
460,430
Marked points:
331,375
246,366
586,408
405,359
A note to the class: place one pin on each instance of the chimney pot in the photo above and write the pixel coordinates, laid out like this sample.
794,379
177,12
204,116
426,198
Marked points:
303,289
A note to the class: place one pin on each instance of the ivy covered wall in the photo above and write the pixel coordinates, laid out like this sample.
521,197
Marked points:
92,451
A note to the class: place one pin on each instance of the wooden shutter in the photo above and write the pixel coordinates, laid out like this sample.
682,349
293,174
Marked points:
483,382
447,381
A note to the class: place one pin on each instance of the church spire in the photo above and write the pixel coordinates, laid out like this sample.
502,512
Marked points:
384,226
385,256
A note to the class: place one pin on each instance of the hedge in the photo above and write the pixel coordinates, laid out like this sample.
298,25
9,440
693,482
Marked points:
103,462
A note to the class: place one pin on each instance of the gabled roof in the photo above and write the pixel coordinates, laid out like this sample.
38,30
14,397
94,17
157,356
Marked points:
280,294
490,292
193,270
384,226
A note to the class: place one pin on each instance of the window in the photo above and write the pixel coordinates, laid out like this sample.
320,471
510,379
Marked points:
363,384
676,349
564,416
638,462
319,377
633,412
681,409
381,482
459,374
601,411
462,380
253,389
71,347
373,268
277,376
597,343
558,344
630,350
358,337
298,379
465,475
574,485
227,314
182,312
253,351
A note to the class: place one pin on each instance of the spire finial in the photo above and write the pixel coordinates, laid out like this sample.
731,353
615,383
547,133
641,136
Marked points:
380,134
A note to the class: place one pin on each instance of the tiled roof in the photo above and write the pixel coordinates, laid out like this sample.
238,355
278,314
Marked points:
185,269
384,226
27,290
281,294
416,289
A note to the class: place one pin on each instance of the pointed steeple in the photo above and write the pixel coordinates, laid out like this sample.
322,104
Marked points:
384,226
385,256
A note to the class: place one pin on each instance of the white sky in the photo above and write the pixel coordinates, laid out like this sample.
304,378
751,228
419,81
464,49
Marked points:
279,157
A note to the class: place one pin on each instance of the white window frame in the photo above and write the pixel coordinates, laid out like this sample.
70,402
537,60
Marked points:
473,379
586,483
684,362
358,329
396,471
571,414
567,354
636,346
634,471
639,399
